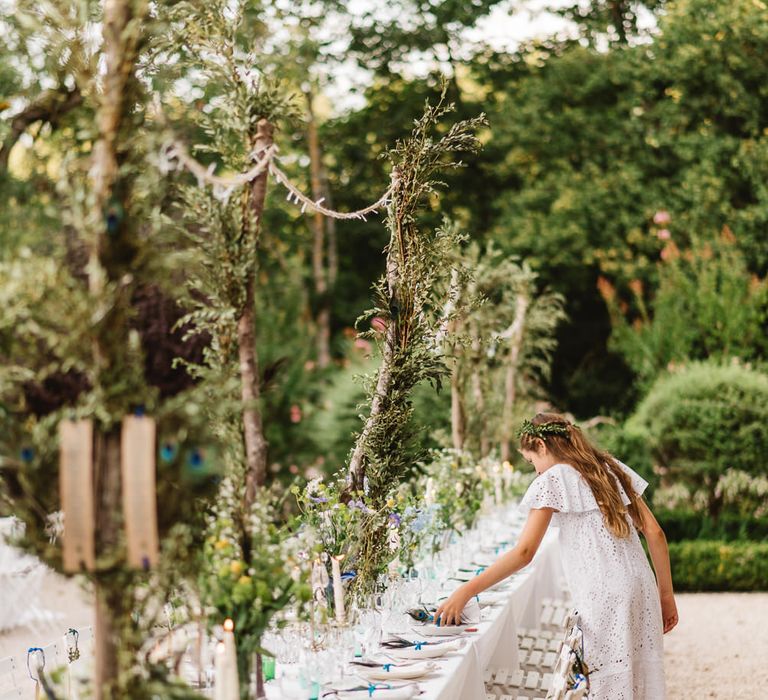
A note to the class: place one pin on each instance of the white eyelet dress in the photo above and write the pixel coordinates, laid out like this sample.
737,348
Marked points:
613,587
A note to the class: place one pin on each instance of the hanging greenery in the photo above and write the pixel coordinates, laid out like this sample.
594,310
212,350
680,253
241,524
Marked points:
405,320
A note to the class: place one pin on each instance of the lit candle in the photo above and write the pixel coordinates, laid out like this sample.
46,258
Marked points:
338,591
506,474
227,685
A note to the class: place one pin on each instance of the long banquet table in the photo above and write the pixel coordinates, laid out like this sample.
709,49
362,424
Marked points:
460,676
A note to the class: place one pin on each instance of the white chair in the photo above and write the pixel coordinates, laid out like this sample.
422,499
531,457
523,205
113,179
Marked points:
540,653
80,667
8,673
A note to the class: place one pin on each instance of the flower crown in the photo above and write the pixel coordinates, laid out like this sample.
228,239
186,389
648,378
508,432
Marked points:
543,429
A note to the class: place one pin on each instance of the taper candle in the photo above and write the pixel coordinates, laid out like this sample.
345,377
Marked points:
227,685
338,591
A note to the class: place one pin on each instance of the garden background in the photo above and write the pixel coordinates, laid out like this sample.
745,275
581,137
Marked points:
608,228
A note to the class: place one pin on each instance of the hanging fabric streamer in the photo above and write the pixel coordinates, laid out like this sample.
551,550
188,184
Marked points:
76,492
139,492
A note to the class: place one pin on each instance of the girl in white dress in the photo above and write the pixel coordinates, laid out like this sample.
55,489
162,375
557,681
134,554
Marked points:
596,502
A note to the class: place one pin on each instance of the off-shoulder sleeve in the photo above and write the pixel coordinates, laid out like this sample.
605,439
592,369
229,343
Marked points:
560,487
638,483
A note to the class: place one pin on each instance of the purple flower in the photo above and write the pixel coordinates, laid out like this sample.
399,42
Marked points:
360,505
318,499
394,520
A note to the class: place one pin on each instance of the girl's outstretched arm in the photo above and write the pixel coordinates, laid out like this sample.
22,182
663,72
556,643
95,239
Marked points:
657,546
449,613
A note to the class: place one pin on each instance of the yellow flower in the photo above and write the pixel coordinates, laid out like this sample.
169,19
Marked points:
244,580
236,567
390,503
221,544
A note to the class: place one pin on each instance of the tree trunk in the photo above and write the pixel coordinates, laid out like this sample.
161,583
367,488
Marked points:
330,227
458,421
516,333
319,273
260,691
109,603
477,390
111,257
383,381
253,428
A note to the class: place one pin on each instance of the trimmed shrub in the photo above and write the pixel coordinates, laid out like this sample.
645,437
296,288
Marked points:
632,449
711,565
703,419
681,525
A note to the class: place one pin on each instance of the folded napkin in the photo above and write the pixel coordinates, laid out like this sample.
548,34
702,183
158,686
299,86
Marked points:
385,691
425,650
394,671
488,598
469,616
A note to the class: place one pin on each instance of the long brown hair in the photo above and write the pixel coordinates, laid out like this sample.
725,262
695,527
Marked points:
596,466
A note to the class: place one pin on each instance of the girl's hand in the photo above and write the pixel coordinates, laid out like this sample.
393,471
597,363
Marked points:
668,611
449,613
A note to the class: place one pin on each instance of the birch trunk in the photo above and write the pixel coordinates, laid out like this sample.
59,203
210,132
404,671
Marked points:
111,257
383,381
515,333
109,603
458,418
319,271
253,427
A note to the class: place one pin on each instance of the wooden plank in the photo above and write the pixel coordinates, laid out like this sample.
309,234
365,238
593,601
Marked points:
76,493
138,467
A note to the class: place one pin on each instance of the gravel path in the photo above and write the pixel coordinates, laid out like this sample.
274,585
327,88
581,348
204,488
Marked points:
719,649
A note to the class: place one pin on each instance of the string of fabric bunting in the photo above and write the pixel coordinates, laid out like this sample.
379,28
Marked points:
175,155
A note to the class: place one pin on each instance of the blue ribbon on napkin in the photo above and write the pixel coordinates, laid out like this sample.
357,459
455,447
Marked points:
372,687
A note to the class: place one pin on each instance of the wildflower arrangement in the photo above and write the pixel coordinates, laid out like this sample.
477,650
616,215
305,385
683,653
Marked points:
457,485
251,580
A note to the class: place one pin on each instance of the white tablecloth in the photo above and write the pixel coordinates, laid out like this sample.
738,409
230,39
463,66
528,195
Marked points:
460,676
21,577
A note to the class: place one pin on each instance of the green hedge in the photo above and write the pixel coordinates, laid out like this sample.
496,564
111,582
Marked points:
681,525
711,565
